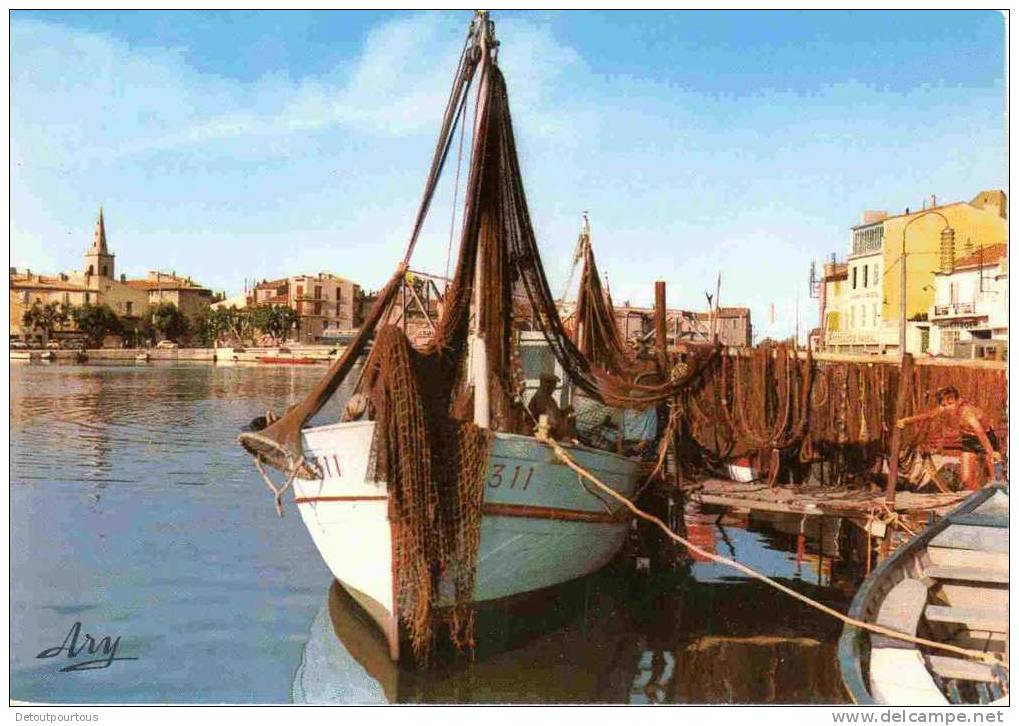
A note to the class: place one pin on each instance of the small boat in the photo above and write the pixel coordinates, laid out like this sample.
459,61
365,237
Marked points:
287,360
142,358
948,584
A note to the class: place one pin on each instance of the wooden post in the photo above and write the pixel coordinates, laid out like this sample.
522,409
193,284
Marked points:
661,340
902,396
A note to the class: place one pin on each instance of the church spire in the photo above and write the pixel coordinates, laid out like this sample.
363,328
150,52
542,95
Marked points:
99,237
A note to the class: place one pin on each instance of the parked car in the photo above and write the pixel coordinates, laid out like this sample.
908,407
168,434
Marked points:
53,345
167,345
19,345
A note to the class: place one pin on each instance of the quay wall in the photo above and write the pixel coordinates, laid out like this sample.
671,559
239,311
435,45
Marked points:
323,354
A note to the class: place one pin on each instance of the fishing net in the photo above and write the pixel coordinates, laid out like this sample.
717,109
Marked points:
426,450
838,415
754,404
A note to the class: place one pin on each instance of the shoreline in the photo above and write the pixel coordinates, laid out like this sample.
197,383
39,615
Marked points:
297,355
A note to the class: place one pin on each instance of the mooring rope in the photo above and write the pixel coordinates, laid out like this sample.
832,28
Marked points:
542,434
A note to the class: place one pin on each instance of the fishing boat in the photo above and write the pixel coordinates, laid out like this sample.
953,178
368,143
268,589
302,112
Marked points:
420,511
949,584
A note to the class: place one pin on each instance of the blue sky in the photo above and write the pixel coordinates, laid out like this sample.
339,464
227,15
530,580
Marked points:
239,145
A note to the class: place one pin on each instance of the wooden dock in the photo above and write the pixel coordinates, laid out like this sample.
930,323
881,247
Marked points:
813,500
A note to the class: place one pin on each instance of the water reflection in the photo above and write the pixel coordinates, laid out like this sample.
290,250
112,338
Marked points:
133,510
684,635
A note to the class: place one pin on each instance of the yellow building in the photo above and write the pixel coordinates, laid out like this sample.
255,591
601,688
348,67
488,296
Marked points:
865,304
96,283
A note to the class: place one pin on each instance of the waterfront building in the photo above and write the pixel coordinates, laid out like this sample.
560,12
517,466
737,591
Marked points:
969,317
162,287
97,283
327,306
685,326
860,296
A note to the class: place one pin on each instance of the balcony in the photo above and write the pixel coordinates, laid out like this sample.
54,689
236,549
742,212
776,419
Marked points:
954,310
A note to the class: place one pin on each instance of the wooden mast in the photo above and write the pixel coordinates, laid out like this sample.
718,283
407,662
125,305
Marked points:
479,353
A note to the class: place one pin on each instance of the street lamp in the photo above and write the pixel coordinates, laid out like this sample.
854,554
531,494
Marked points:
947,242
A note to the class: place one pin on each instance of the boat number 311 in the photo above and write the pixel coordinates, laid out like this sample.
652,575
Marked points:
519,476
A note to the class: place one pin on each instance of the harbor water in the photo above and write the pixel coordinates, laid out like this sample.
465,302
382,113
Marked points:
135,515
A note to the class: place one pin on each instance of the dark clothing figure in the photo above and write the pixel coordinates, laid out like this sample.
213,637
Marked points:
543,404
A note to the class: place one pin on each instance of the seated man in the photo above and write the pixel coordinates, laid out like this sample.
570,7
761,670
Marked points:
640,430
543,404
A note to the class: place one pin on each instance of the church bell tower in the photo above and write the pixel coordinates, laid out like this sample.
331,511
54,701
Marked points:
98,259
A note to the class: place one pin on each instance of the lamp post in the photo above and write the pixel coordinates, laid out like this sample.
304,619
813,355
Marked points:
947,238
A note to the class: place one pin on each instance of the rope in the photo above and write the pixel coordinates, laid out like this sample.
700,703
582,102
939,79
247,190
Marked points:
542,434
278,492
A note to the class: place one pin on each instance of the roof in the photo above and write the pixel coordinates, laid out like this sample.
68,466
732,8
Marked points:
265,285
986,256
978,201
40,282
163,285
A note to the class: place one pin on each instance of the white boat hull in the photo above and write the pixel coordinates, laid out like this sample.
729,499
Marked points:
540,525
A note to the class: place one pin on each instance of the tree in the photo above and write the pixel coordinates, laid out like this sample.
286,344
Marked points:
168,320
96,322
274,320
139,330
45,318
201,328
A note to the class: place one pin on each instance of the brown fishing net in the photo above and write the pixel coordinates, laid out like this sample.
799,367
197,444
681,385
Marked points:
434,467
754,403
838,415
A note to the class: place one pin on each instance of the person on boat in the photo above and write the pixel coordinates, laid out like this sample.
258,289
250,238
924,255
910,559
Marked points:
543,403
639,430
976,436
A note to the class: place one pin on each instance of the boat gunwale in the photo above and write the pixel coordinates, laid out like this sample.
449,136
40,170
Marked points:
614,460
850,653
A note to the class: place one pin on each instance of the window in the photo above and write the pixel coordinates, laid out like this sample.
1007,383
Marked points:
854,278
852,317
88,298
129,306
868,239
318,308
318,292
338,310
953,292
874,310
866,269
102,271
300,291
925,339
877,275
24,297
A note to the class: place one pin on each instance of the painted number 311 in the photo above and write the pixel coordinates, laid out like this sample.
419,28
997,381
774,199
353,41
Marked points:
520,475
